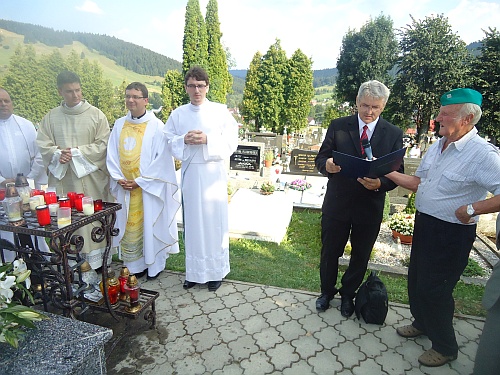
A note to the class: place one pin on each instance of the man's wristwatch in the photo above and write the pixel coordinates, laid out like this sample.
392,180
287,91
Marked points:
470,210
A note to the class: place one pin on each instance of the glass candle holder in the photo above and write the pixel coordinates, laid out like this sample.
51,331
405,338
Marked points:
40,194
64,202
43,215
78,202
63,217
71,195
50,197
133,291
53,207
34,203
123,278
87,206
2,194
98,205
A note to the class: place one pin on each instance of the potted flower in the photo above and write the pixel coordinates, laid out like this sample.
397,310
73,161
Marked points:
401,224
267,188
14,278
268,159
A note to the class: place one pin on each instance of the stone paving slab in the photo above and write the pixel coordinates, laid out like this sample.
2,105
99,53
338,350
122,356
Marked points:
245,328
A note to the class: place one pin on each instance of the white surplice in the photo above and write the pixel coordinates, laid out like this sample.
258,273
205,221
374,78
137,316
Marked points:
160,193
204,186
19,154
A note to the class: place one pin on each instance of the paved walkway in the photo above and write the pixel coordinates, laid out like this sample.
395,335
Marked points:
254,329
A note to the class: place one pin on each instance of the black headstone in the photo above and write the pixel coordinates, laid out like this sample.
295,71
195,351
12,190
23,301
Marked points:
245,158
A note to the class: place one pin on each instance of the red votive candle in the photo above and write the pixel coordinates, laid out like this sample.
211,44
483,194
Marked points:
97,204
43,215
72,195
50,197
64,202
78,202
2,194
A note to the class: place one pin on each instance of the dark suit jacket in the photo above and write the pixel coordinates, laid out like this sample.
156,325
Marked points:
346,199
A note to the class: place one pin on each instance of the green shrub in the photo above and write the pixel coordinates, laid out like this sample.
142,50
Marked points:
410,205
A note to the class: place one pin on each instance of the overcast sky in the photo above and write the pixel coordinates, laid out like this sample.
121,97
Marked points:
314,26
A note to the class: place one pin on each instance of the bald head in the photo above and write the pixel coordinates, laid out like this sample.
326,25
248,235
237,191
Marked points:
6,107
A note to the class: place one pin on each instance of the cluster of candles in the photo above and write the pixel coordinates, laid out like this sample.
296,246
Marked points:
47,204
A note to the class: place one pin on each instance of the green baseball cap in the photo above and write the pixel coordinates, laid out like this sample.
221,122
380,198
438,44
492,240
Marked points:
460,96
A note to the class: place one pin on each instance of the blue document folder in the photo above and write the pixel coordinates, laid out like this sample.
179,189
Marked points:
355,167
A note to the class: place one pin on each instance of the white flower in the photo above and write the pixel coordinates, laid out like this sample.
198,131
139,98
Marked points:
19,267
5,286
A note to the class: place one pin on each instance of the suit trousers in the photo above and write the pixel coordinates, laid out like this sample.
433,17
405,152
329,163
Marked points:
334,236
439,254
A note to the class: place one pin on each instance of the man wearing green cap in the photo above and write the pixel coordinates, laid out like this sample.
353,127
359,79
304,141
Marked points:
451,182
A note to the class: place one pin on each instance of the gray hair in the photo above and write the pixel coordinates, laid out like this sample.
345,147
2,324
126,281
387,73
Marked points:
374,89
471,109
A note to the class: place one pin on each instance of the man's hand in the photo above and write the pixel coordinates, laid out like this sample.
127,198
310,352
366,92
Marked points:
463,216
331,167
128,184
65,156
370,183
195,137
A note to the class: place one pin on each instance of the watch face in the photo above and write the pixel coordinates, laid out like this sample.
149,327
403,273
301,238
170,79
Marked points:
470,210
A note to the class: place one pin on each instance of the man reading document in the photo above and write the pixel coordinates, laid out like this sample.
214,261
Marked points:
353,206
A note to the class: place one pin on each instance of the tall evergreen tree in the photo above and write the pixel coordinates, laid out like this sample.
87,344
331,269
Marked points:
220,79
172,93
365,55
250,103
274,67
24,82
195,42
299,91
487,82
433,60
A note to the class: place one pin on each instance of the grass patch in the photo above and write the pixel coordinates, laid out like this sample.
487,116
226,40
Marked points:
295,264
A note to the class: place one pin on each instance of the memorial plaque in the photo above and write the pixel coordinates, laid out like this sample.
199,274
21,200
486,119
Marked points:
245,158
302,162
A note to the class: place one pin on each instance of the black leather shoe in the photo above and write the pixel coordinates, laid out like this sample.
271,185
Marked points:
346,306
214,285
141,274
188,284
323,303
155,276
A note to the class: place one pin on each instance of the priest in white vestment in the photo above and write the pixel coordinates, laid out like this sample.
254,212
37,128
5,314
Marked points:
18,154
72,139
203,134
143,180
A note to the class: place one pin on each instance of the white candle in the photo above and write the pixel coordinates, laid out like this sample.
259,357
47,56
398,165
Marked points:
34,202
53,207
63,222
88,209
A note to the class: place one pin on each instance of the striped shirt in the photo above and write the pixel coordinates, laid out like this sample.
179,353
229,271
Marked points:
462,174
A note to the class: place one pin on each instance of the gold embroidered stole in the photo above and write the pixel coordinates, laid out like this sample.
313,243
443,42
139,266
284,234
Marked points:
130,157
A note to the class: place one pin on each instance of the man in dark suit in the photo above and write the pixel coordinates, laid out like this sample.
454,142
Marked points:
353,207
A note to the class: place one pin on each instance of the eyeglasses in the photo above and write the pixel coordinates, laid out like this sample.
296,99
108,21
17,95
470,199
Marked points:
133,97
199,87
366,107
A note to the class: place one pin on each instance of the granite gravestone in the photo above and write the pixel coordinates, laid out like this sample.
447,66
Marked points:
246,158
302,162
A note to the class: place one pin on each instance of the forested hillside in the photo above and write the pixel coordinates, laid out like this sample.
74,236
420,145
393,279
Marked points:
128,55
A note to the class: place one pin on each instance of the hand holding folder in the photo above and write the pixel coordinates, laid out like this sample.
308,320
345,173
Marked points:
355,167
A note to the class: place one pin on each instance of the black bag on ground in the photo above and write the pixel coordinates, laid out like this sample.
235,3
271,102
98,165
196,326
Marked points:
372,302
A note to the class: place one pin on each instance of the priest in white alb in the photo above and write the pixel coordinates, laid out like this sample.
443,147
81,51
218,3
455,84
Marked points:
203,135
143,180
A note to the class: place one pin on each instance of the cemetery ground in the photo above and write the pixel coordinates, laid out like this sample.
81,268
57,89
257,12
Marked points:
294,264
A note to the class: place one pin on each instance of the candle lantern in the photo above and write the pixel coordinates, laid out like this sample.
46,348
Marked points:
133,289
113,287
98,205
72,195
64,202
123,278
78,202
43,215
24,191
12,204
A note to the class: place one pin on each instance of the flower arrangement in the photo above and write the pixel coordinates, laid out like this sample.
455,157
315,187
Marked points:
267,188
402,223
15,277
300,185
